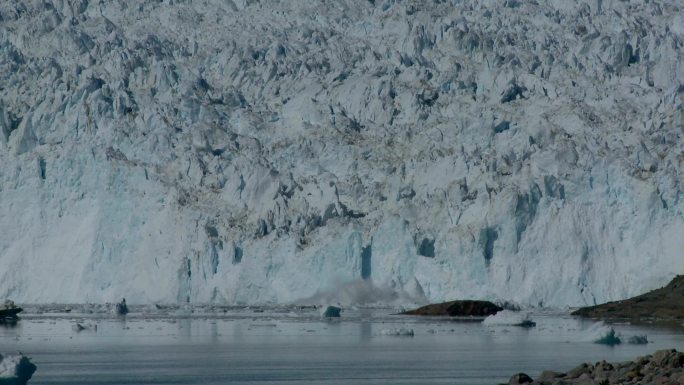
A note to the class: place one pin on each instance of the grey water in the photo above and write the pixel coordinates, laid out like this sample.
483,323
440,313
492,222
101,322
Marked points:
298,347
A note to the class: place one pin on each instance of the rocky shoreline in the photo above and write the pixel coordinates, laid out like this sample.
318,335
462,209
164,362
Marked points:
664,367
664,304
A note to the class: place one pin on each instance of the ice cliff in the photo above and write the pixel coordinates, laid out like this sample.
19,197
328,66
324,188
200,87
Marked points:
268,151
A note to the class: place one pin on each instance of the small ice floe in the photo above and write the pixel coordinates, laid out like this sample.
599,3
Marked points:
16,369
79,327
638,340
400,332
510,318
332,312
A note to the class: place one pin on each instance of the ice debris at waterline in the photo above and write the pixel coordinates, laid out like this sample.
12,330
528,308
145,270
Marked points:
15,369
664,367
232,152
398,332
332,312
362,292
510,318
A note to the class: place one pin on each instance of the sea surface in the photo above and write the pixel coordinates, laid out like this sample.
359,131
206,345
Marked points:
297,346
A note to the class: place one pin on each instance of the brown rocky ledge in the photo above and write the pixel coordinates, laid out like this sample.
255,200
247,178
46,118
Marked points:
463,308
664,367
666,303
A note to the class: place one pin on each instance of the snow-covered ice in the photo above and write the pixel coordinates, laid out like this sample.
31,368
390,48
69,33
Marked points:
251,152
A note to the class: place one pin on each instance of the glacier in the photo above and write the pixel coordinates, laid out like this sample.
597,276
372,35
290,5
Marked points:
264,152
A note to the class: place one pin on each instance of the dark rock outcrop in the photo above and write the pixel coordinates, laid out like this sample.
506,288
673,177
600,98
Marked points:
463,308
520,378
10,313
666,303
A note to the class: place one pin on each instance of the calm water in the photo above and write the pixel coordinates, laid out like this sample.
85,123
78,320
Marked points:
297,347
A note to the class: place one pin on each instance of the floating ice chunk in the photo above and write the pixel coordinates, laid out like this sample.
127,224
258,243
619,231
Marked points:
638,340
122,308
397,332
600,333
79,327
16,369
610,338
332,312
510,318
527,324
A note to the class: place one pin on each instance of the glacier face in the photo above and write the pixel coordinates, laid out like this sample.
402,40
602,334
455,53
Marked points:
270,151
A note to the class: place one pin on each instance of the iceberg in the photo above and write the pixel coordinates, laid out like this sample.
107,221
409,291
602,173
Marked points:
332,312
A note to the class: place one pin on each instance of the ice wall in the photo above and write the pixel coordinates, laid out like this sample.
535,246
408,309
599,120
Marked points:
270,151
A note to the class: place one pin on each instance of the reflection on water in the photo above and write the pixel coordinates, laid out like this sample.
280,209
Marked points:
9,322
365,330
245,347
